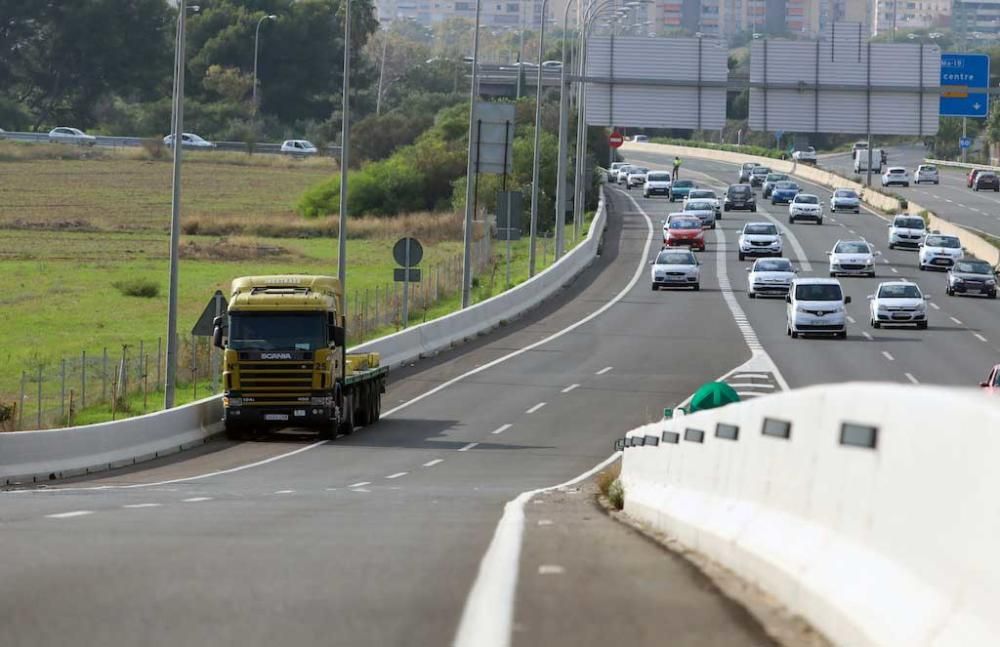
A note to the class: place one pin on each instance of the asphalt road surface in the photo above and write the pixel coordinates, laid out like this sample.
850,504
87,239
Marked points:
376,539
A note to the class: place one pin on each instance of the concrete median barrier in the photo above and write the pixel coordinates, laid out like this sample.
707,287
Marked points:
868,509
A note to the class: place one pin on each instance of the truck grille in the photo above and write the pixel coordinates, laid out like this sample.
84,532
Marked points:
265,383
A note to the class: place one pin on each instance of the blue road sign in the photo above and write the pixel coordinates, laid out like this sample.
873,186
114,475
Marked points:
964,142
965,82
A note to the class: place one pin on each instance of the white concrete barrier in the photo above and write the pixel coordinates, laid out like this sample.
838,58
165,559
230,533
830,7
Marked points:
880,533
28,456
973,243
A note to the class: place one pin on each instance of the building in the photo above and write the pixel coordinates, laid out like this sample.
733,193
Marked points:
852,11
977,20
493,13
895,15
710,17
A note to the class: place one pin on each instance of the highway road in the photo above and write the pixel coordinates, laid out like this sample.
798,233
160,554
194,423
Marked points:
951,199
377,538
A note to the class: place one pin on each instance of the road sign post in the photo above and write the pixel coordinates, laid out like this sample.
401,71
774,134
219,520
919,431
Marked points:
408,252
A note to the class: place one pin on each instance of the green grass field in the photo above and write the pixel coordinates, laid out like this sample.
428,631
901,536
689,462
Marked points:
71,228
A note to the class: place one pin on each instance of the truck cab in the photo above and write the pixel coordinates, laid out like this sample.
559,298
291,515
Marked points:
285,363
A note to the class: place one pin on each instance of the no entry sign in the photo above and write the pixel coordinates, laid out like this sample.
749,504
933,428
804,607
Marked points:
615,139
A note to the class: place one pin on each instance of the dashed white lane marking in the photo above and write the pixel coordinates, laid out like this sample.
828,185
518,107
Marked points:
361,484
604,370
536,407
803,258
433,462
136,506
747,394
69,515
886,354
867,335
961,205
851,231
754,385
935,306
850,319
975,209
284,491
935,196
980,337
894,270
750,375
361,490
910,377
468,447
397,475
955,320
570,388
197,499
551,569
501,429
949,201
544,522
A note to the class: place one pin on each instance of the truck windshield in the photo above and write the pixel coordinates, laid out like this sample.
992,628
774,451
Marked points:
273,331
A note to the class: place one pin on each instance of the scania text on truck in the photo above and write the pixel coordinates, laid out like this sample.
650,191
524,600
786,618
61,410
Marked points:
285,363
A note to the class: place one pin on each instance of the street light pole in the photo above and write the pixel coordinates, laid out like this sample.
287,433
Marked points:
345,135
175,208
536,161
470,170
381,73
562,160
256,48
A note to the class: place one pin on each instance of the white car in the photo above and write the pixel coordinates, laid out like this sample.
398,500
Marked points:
816,306
613,171
897,302
3,134
298,147
703,209
622,174
636,177
675,268
770,277
705,194
937,250
896,175
906,231
188,140
926,173
846,200
806,155
64,135
853,257
805,206
552,65
657,183
760,239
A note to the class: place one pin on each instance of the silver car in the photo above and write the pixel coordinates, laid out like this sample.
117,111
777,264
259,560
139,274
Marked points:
845,200
926,173
675,268
704,209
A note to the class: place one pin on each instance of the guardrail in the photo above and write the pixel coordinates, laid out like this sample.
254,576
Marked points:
868,509
32,456
965,165
972,242
105,141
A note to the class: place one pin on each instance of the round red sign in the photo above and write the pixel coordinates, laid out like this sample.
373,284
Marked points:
615,139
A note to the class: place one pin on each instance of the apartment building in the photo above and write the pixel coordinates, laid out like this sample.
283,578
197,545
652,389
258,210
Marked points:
895,15
493,13
977,20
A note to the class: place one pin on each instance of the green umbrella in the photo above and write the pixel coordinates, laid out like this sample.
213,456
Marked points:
712,395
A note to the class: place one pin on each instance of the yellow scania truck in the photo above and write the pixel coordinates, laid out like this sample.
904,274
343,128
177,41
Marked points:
285,362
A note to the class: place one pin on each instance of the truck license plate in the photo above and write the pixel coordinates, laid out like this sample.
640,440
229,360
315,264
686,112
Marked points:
276,416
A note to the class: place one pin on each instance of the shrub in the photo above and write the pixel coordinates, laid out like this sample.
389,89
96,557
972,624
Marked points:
155,147
138,288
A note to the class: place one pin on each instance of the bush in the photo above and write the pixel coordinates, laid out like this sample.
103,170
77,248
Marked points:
155,147
138,288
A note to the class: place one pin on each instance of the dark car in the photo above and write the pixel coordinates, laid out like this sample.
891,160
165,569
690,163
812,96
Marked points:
680,189
739,196
972,276
784,192
758,175
986,180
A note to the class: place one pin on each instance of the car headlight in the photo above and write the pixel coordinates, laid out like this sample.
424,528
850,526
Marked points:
957,279
991,282
869,261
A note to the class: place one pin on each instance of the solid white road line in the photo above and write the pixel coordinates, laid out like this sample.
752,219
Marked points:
397,475
886,354
910,377
604,370
284,492
197,499
570,388
956,320
69,515
468,447
361,484
501,429
433,462
866,335
551,569
753,385
980,337
544,522
536,407
800,253
136,506
850,319
748,394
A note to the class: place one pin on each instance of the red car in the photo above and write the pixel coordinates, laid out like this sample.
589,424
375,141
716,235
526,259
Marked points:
684,232
992,383
971,178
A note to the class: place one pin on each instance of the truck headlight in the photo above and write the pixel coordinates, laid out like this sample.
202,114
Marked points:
232,402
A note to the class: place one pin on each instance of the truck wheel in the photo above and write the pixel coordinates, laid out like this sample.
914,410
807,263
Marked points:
363,407
235,432
377,396
347,424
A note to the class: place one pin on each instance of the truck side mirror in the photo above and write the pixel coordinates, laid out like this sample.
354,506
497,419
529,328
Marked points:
218,331
338,336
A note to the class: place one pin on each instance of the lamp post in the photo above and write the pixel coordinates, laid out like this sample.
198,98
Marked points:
538,136
175,208
345,135
561,160
256,48
470,170
381,73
